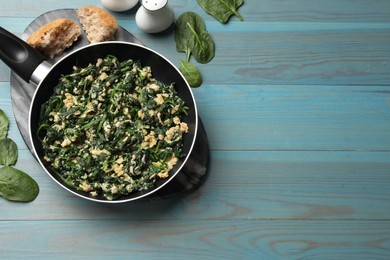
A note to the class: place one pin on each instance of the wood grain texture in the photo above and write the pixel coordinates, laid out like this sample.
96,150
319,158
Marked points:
296,105
267,10
268,117
242,186
284,54
213,239
298,63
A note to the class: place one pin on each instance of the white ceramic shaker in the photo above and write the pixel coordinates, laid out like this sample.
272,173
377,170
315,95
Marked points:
119,5
154,16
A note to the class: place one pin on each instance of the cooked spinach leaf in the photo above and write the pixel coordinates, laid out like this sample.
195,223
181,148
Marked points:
16,185
4,124
192,37
111,128
191,73
222,9
8,152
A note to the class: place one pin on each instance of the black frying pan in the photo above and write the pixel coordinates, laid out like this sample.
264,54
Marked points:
30,65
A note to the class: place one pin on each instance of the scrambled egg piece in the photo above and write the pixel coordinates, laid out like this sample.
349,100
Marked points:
159,99
170,163
153,86
149,140
85,186
69,100
95,152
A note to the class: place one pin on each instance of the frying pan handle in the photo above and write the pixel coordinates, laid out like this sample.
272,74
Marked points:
18,55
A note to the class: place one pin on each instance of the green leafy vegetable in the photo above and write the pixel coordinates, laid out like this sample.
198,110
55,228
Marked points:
203,50
16,185
3,125
112,129
183,35
191,73
222,9
8,152
192,37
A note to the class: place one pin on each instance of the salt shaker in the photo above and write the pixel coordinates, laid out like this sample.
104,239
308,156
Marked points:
119,5
154,16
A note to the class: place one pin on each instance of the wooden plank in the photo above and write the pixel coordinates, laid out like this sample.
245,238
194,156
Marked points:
213,239
317,11
267,117
240,186
36,8
280,54
266,10
294,58
297,116
6,106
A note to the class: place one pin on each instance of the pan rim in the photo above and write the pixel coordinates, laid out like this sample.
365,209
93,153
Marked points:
151,191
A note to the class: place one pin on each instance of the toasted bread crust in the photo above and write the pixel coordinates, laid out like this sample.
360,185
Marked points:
98,24
54,37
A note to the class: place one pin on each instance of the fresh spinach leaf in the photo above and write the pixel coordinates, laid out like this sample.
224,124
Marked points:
16,185
222,9
183,34
4,124
191,73
192,37
204,47
8,152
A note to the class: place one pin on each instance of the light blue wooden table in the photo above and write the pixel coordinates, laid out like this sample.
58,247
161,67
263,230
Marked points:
296,105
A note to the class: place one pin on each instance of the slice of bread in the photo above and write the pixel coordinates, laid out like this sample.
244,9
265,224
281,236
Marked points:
54,37
98,24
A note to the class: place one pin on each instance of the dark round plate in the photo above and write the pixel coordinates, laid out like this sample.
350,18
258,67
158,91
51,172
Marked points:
21,91
195,169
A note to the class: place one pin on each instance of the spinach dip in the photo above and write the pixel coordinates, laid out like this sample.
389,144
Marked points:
111,128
